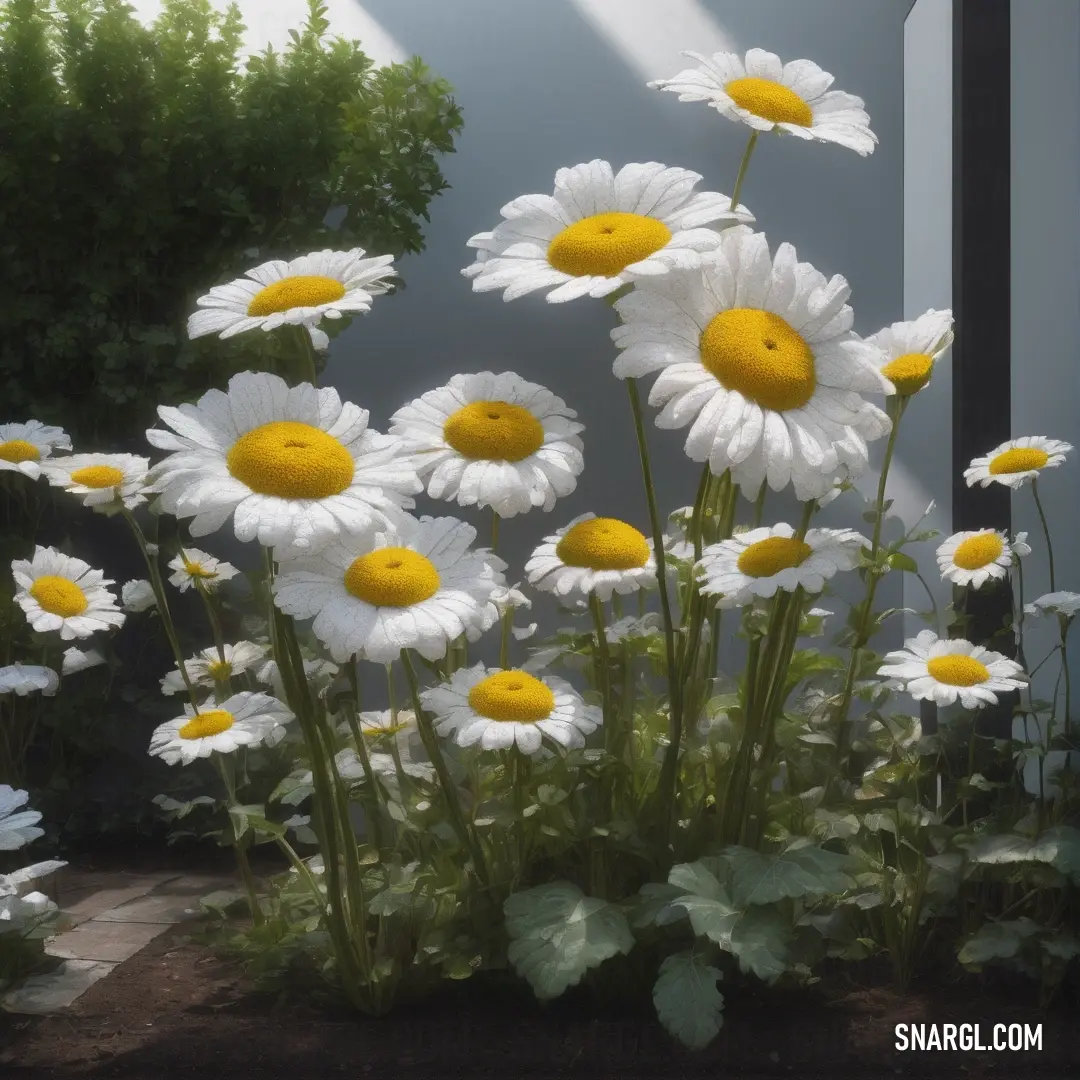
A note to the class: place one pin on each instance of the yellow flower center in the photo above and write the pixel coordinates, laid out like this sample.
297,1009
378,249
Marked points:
773,554
392,577
19,450
758,354
59,596
304,290
978,551
211,722
770,101
1018,460
197,570
512,695
292,461
494,431
957,670
606,244
909,373
375,732
603,544
98,476
220,670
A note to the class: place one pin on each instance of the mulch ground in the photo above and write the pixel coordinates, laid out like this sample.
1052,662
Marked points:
176,1010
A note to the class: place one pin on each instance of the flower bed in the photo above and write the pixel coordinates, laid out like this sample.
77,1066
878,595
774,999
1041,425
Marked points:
653,814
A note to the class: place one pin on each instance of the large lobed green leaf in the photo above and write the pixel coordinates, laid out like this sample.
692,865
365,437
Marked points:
557,933
687,1001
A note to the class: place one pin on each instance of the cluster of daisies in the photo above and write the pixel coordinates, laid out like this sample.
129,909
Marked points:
23,909
753,351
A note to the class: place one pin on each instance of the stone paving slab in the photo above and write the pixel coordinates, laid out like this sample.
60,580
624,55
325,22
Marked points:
167,909
114,915
112,942
41,995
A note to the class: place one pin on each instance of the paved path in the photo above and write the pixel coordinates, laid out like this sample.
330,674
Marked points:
113,915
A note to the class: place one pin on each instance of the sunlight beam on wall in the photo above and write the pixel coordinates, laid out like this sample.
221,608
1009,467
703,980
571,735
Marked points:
649,36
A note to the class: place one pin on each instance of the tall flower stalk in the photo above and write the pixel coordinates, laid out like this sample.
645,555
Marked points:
875,570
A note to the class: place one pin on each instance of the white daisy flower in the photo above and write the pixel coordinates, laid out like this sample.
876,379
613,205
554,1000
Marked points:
758,562
941,670
1017,461
415,589
193,565
206,667
909,350
75,660
16,829
23,679
599,231
1057,603
493,440
293,467
23,446
593,555
757,354
106,482
975,557
58,592
382,723
499,709
325,284
244,719
26,913
319,674
768,95
137,595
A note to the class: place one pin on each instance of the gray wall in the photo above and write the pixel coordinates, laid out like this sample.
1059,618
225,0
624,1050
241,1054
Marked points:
921,469
541,87
1046,291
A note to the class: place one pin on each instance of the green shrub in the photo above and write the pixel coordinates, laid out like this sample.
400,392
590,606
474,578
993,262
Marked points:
139,165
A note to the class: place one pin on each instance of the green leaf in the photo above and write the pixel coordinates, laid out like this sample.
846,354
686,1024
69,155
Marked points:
759,940
654,905
996,941
1058,846
557,933
805,871
898,560
241,816
687,1001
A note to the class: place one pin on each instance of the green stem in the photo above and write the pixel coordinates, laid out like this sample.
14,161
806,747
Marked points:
743,165
467,839
759,504
240,846
612,737
163,605
1045,529
375,807
1019,568
669,769
307,369
895,408
696,523
504,638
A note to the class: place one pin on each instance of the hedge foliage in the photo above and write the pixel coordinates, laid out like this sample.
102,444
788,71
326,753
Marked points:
140,165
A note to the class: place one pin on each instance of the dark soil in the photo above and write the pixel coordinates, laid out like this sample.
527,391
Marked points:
176,1010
